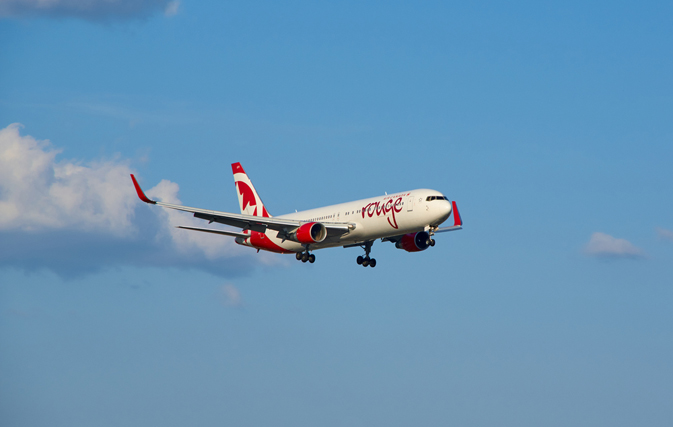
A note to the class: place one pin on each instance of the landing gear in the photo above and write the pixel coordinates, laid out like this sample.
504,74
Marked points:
305,256
431,232
366,261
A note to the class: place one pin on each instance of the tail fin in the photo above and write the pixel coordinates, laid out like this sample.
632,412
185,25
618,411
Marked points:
248,198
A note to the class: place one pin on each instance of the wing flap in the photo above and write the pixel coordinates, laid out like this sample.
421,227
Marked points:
210,230
234,222
230,218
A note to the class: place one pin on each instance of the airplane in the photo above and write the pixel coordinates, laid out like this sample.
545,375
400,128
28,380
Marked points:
408,219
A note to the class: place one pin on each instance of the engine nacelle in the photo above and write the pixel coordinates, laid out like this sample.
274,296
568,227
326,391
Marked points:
311,232
414,242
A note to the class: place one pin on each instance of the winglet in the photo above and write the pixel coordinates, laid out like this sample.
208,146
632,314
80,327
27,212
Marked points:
457,220
139,190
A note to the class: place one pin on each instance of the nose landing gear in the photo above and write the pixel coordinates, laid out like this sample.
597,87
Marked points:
431,233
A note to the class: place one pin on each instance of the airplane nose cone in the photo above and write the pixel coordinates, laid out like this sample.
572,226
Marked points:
444,210
448,207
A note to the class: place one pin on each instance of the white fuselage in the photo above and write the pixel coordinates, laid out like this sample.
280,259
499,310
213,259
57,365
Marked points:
378,217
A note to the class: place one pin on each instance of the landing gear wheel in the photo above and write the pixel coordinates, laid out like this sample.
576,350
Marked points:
366,261
311,258
304,257
299,254
432,242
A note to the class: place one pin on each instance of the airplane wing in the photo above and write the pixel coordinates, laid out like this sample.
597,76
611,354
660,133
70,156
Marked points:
245,222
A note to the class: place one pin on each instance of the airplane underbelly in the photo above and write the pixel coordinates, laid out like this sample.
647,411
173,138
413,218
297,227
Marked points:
265,242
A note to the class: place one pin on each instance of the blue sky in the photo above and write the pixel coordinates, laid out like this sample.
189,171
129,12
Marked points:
549,124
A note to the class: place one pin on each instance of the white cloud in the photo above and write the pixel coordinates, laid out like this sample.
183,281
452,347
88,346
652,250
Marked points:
605,246
87,9
665,234
73,211
37,192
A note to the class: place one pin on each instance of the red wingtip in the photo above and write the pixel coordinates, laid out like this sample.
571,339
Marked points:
142,195
237,168
457,220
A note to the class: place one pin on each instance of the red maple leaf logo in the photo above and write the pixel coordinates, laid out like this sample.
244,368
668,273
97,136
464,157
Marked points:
247,193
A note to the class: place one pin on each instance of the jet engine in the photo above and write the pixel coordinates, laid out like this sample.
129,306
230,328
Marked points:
311,232
414,242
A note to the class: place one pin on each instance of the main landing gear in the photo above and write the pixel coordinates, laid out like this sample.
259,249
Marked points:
366,261
305,256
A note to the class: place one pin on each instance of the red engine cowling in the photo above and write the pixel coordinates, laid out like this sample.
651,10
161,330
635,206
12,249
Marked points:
311,232
414,242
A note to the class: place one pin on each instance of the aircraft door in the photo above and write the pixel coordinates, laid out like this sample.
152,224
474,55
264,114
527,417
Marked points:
410,203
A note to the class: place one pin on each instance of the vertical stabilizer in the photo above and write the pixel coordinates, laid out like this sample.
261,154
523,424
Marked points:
248,198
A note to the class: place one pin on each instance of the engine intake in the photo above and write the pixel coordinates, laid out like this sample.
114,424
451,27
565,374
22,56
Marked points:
414,242
311,232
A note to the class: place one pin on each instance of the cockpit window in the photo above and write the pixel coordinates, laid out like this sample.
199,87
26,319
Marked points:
431,198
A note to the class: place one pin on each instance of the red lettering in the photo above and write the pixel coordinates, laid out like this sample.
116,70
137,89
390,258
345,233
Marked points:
388,209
